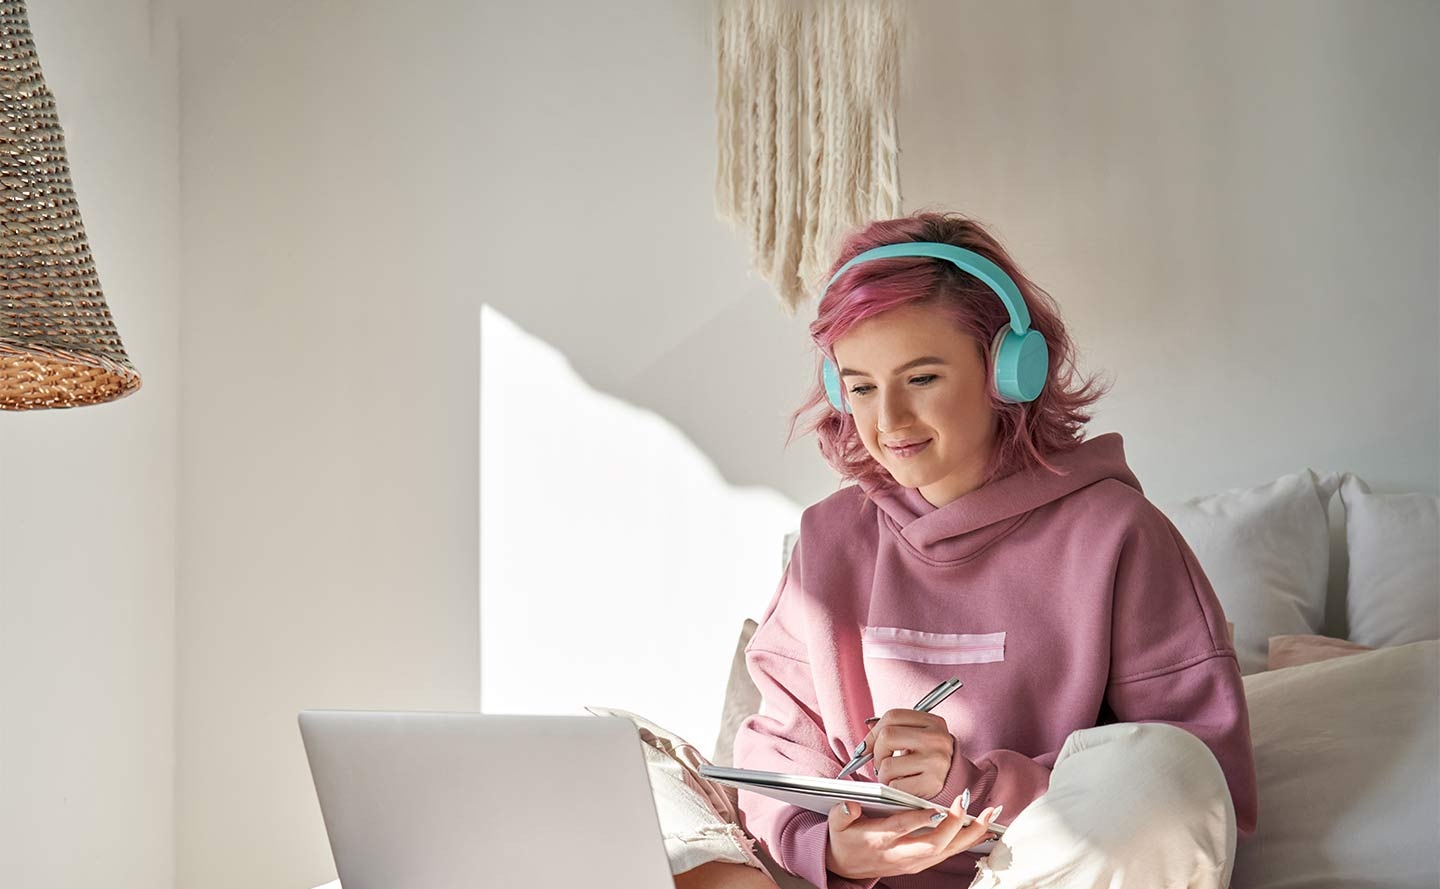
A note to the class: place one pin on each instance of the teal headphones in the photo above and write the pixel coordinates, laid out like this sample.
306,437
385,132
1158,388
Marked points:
1020,355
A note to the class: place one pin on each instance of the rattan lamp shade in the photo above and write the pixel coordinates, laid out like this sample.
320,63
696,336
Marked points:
58,344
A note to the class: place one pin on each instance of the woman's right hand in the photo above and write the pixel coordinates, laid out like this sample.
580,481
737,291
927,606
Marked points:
861,848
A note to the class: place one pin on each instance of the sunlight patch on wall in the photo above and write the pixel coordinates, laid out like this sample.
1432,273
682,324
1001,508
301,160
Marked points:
616,564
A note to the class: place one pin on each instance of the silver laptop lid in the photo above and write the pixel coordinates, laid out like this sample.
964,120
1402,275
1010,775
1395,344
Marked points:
466,800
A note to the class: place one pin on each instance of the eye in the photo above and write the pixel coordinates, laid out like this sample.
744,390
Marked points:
925,379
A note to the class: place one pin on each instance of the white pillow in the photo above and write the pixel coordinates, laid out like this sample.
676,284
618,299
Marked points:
1266,551
1345,754
1393,596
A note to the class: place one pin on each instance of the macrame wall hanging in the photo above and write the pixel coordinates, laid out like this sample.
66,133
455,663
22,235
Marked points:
806,94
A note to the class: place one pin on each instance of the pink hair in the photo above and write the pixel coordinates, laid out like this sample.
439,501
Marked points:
1025,433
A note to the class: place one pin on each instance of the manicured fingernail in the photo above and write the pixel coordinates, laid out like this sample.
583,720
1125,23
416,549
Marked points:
845,808
998,810
965,800
937,817
860,748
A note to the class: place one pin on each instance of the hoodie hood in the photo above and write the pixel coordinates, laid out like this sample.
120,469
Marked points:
968,523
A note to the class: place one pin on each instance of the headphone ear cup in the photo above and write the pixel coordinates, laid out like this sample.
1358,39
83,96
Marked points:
831,376
1021,364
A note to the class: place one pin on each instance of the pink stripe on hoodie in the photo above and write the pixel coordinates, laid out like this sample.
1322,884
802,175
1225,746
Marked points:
1062,602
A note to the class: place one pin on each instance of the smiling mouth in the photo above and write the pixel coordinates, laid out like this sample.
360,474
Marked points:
910,450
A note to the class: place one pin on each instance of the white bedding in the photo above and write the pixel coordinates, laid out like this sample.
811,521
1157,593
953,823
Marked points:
1345,754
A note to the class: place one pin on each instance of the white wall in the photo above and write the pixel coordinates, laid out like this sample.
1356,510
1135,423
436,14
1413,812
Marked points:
614,557
88,496
1234,205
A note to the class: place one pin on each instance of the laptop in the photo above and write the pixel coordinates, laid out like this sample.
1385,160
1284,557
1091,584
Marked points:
469,800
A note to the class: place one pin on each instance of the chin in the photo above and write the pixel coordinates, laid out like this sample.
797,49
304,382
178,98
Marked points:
909,477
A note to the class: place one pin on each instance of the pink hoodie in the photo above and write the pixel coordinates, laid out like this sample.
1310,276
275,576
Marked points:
1062,602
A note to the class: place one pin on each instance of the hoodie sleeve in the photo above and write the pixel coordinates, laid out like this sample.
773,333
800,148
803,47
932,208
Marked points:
1171,658
997,778
787,735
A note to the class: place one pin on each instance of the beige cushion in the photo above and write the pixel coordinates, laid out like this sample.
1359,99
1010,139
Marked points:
742,698
1298,649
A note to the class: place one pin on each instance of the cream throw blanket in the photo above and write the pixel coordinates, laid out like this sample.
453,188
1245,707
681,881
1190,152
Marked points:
805,101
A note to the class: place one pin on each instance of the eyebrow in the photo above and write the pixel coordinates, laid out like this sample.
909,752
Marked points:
928,359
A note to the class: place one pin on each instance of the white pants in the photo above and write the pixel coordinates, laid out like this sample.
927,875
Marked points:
1129,805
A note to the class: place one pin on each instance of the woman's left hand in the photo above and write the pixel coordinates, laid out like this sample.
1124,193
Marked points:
913,751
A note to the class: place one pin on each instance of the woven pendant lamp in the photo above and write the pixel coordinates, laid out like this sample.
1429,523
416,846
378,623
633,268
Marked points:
58,344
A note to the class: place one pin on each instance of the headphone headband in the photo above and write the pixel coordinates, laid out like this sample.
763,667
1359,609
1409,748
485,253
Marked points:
968,260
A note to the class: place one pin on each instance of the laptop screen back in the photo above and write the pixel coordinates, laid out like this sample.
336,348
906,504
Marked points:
467,800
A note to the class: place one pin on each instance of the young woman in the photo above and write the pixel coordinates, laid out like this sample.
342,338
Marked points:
987,539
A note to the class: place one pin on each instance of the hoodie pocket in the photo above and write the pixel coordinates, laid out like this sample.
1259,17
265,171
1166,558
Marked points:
898,643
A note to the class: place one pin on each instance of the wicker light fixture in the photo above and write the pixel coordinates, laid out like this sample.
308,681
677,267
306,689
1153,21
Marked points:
58,345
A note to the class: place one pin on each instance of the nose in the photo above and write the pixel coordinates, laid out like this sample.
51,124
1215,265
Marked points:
894,410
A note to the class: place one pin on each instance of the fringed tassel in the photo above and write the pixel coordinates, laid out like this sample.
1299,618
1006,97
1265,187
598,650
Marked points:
806,138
